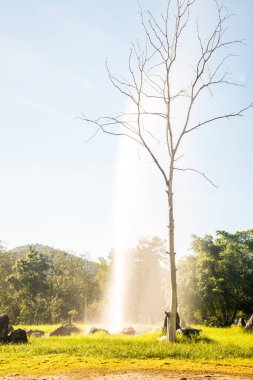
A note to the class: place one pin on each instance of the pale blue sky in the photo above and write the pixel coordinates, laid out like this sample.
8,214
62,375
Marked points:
57,190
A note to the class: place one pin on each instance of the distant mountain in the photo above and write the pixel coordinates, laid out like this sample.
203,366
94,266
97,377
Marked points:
62,283
52,253
23,250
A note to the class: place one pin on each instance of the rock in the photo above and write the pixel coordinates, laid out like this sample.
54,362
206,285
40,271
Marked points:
241,322
128,331
4,325
95,330
35,332
249,324
18,336
10,329
167,320
189,332
65,330
8,334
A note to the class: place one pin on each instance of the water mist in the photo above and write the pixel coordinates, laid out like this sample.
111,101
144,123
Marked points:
135,205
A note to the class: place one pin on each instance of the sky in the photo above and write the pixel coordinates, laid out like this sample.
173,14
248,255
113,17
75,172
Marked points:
57,189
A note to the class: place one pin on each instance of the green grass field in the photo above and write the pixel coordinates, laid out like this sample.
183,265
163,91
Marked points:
217,350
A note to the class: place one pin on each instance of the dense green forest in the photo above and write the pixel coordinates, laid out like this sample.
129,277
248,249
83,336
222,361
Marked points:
39,284
216,281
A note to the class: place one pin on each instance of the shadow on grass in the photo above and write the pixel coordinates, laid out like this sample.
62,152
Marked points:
194,339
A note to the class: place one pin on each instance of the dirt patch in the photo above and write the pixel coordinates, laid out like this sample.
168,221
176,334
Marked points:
131,376
168,376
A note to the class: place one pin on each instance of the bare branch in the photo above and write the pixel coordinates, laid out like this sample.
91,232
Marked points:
198,172
147,113
93,135
102,127
118,84
178,158
157,48
227,116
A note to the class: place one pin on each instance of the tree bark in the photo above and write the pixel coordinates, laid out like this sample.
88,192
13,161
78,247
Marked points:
171,333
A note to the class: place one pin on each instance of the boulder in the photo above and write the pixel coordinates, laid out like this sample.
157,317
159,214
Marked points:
65,330
249,324
183,323
128,331
10,329
35,332
241,322
4,325
95,330
189,332
167,321
18,336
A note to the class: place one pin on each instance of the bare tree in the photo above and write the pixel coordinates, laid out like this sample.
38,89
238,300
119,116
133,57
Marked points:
155,94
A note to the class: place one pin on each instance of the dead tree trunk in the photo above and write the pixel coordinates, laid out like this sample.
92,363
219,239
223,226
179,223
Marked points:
171,334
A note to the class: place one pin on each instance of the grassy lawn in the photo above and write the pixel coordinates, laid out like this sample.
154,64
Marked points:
217,350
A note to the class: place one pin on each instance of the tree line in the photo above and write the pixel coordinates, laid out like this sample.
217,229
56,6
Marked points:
39,284
216,281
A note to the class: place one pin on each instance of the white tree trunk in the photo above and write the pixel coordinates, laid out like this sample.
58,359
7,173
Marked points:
171,333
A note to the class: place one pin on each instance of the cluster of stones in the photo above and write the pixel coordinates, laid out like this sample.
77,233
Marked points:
8,334
186,331
125,331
